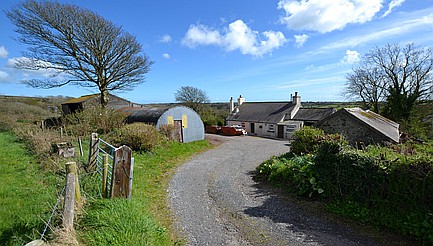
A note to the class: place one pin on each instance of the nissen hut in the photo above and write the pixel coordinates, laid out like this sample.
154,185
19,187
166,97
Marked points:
188,125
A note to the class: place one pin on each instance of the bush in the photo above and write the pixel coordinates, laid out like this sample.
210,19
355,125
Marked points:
167,131
138,136
94,119
308,139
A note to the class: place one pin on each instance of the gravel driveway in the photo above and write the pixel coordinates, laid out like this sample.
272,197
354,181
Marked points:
215,202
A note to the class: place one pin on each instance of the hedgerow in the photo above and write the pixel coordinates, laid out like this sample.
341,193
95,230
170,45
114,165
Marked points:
388,186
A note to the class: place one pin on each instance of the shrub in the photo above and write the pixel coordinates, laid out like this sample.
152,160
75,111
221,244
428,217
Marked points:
295,173
308,139
167,131
94,119
138,136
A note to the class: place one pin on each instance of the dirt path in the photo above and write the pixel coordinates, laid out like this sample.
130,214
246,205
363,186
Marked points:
216,202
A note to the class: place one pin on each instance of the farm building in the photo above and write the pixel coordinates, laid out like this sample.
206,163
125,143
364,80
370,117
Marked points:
187,124
361,126
76,104
274,119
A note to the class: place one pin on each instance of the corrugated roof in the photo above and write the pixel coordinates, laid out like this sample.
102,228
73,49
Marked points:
146,113
386,126
266,112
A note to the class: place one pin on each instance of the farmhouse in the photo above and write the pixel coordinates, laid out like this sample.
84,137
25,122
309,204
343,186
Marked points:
76,104
187,124
274,119
361,126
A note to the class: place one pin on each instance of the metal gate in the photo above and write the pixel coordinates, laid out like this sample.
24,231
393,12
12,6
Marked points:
113,165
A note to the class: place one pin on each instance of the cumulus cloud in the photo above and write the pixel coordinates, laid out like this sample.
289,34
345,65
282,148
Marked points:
3,52
393,4
301,39
166,55
326,16
165,38
352,56
237,36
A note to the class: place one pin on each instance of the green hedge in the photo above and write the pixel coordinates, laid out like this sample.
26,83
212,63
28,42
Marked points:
387,186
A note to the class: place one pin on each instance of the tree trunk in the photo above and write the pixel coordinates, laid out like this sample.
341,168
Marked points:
104,98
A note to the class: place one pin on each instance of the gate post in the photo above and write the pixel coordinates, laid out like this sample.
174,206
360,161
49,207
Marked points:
121,181
93,151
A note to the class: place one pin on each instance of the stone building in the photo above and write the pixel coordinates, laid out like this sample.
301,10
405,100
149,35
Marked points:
360,126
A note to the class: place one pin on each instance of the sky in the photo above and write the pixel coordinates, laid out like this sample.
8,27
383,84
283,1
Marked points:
264,50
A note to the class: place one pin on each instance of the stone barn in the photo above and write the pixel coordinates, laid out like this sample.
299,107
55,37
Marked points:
187,124
360,126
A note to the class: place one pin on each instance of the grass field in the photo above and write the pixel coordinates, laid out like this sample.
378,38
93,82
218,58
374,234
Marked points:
26,193
145,219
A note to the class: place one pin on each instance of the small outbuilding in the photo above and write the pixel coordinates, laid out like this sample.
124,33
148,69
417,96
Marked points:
361,126
77,104
187,124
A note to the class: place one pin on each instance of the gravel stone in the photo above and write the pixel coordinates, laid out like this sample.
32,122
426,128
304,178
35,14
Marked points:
216,202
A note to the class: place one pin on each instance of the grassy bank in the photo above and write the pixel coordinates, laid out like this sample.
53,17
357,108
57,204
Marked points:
145,219
26,193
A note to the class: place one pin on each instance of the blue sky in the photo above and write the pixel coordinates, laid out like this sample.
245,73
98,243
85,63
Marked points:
264,50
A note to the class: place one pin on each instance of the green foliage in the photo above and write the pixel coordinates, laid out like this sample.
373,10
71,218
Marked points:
138,136
308,139
26,193
94,119
363,184
295,173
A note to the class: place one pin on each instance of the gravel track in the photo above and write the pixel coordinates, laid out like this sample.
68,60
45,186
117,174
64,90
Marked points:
215,202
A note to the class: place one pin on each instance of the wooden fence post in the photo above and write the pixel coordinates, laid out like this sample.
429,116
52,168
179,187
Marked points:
121,177
93,152
68,207
104,176
71,167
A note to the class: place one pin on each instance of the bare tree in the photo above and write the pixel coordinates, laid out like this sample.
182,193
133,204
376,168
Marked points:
405,73
367,85
79,47
192,97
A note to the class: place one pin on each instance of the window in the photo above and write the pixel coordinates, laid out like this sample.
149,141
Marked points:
271,128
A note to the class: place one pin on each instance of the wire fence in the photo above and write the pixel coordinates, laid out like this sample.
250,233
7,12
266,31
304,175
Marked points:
109,150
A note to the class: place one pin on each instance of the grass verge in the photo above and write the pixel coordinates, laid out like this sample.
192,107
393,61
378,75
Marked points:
145,219
26,193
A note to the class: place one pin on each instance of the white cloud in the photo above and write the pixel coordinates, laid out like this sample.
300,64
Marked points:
166,55
352,56
3,52
237,36
4,77
393,4
301,39
45,68
165,38
326,16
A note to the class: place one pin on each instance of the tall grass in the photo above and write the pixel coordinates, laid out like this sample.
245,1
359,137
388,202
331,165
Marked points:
145,219
26,193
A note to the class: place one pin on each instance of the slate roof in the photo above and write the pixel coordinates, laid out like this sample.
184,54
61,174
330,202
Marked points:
312,115
381,124
264,112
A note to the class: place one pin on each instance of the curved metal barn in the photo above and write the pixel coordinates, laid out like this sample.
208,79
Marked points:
188,125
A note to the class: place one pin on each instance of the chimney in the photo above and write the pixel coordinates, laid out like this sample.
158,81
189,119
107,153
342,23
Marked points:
240,100
296,99
232,105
